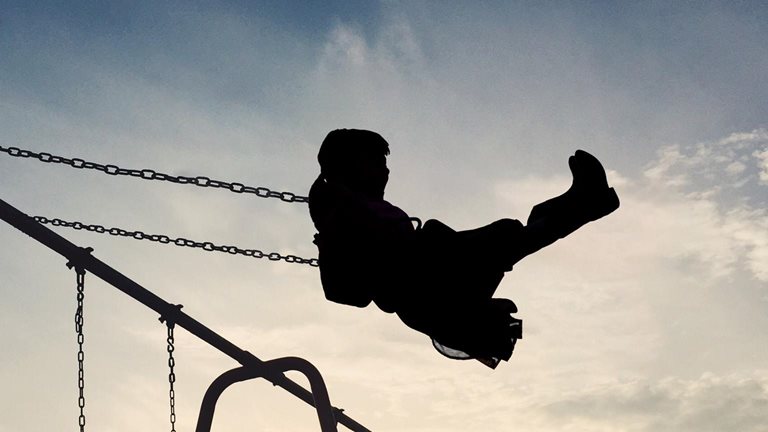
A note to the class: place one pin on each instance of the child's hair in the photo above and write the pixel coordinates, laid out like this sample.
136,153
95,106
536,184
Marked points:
343,148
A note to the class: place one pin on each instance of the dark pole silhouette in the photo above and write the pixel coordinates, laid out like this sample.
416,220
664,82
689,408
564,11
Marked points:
437,280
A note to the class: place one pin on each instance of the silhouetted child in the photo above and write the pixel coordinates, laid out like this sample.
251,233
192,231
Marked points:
438,281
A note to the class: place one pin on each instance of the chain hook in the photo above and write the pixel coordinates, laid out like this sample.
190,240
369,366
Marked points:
74,261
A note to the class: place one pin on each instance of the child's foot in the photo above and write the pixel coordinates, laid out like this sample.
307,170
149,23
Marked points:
589,198
587,171
590,190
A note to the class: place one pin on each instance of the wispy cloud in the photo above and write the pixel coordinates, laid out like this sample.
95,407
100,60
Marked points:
722,185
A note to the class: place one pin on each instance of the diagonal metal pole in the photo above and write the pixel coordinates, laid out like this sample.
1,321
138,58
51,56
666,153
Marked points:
82,258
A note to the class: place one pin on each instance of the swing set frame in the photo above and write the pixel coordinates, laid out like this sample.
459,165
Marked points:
251,366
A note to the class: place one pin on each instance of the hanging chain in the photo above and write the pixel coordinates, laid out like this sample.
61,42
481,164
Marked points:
170,322
80,339
164,239
149,174
171,376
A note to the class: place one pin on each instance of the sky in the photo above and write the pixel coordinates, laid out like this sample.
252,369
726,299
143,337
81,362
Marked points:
652,319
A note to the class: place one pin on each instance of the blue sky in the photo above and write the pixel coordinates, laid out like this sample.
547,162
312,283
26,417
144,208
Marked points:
647,72
659,327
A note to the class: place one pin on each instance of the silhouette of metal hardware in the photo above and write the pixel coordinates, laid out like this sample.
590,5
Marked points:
88,262
150,174
164,239
276,367
80,340
171,374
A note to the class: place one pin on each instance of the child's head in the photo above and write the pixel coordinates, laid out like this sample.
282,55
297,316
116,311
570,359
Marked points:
357,159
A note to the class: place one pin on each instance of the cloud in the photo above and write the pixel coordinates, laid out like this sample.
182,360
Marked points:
732,163
709,403
762,158
720,187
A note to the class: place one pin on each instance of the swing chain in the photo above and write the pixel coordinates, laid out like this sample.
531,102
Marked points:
170,322
171,376
79,321
164,239
150,174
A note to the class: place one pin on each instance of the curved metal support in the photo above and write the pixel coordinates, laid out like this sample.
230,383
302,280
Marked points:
266,369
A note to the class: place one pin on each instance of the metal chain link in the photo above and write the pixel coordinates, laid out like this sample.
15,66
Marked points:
164,239
150,174
80,353
171,376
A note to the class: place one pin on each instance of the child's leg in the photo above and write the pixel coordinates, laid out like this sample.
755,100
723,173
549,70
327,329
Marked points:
507,241
497,244
589,198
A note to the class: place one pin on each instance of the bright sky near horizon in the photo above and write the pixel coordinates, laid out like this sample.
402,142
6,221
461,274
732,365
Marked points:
662,326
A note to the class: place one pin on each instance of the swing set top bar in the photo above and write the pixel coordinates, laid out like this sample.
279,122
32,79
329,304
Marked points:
82,258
